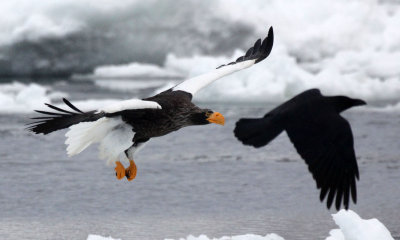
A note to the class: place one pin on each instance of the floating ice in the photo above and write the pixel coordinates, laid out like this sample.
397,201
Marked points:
340,46
127,85
343,47
132,76
98,237
280,77
313,30
134,70
22,98
18,97
271,236
352,227
348,48
112,32
90,104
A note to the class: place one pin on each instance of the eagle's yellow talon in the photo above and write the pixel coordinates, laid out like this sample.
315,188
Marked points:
130,172
119,170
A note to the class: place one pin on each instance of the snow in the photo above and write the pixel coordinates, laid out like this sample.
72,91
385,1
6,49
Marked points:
352,227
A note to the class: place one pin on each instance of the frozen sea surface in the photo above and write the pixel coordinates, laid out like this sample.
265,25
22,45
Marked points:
199,180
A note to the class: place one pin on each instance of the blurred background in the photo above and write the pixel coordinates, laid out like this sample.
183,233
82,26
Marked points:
343,47
99,51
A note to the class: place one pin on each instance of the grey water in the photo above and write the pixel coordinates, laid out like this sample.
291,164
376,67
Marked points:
198,180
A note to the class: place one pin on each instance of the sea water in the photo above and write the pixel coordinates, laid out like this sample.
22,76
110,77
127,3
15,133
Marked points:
198,180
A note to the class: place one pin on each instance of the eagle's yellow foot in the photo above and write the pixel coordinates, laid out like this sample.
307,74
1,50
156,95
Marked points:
130,172
119,170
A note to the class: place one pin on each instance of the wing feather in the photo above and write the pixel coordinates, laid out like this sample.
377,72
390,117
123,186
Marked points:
328,149
255,54
129,105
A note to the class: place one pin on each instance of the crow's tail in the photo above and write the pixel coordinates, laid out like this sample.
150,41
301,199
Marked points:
257,132
61,118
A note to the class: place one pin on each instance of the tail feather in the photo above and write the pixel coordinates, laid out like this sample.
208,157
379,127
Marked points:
60,119
82,135
113,134
257,132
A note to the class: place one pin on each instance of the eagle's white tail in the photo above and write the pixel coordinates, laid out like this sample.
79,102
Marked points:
114,136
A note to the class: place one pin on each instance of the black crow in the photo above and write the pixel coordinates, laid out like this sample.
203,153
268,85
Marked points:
320,135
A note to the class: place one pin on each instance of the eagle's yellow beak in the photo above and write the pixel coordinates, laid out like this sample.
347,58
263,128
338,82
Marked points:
217,118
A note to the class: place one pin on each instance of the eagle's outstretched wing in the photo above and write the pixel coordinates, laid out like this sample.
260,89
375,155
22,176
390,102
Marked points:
255,54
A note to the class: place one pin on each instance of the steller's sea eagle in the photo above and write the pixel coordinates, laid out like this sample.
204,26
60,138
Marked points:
122,128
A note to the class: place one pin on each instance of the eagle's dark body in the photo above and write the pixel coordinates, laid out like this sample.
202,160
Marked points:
177,111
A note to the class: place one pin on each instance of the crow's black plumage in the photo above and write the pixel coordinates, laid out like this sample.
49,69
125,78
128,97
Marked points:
320,135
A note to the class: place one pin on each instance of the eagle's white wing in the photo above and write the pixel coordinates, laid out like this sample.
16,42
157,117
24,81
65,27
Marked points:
129,104
254,55
113,134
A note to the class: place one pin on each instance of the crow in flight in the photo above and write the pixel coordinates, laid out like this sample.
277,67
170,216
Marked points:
320,135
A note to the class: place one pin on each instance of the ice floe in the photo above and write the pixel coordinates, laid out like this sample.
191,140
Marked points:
351,227
23,98
118,32
98,237
127,85
373,76
18,97
280,77
134,70
271,236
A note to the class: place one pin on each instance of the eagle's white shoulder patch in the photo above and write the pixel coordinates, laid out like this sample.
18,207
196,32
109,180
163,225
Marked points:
128,105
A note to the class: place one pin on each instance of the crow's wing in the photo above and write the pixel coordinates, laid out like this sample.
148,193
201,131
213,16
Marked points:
325,142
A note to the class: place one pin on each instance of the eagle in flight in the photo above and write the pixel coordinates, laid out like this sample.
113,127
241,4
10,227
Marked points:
124,127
